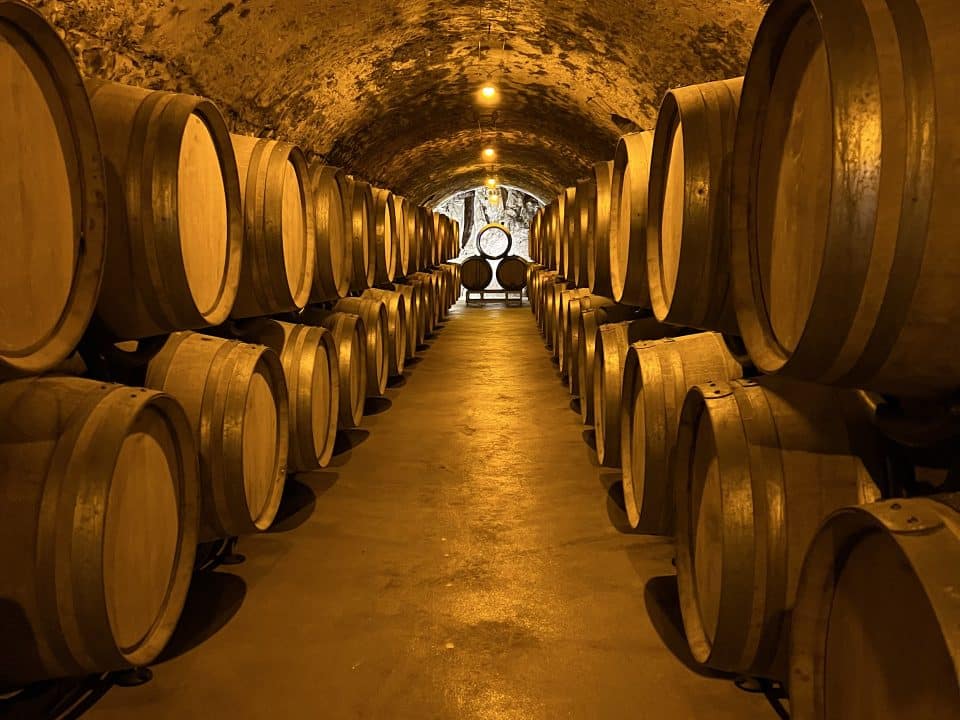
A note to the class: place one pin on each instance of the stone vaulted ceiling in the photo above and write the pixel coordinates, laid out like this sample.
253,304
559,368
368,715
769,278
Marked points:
388,88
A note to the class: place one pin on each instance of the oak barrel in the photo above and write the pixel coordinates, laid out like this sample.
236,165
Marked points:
332,268
396,327
358,216
175,224
564,330
374,314
386,235
598,241
613,341
411,299
874,628
476,274
308,355
758,466
566,204
236,400
688,219
98,485
583,229
279,237
628,219
401,210
844,206
599,311
350,335
578,304
53,188
512,273
656,378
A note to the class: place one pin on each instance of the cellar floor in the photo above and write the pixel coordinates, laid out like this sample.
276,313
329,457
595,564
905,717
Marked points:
466,558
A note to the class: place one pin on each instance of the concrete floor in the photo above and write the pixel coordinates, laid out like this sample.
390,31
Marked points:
466,559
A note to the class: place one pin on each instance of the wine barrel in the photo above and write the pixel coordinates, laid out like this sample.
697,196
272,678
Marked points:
100,499
175,227
688,219
551,241
552,311
386,240
539,302
401,220
53,190
440,279
427,302
236,400
566,206
374,314
396,327
512,273
611,344
759,464
598,240
594,312
350,336
358,216
534,240
571,234
309,359
628,219
876,603
656,378
564,331
411,300
428,239
584,228
279,246
412,214
476,274
846,277
579,304
332,267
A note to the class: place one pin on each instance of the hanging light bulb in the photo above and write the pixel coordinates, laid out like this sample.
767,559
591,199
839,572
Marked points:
491,182
489,153
488,91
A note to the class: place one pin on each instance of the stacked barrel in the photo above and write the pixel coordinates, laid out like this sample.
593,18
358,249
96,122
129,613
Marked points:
186,316
754,304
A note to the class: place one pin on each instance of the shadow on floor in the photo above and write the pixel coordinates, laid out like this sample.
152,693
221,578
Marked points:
414,361
590,438
376,405
213,600
423,347
575,405
346,441
662,600
296,506
397,381
319,481
616,505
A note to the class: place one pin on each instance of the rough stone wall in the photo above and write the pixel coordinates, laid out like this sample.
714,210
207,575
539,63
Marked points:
387,88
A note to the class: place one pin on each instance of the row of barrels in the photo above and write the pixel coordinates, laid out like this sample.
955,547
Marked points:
107,489
817,225
142,208
802,230
791,565
311,289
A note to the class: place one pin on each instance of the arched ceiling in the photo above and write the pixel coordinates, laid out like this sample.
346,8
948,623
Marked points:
388,88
